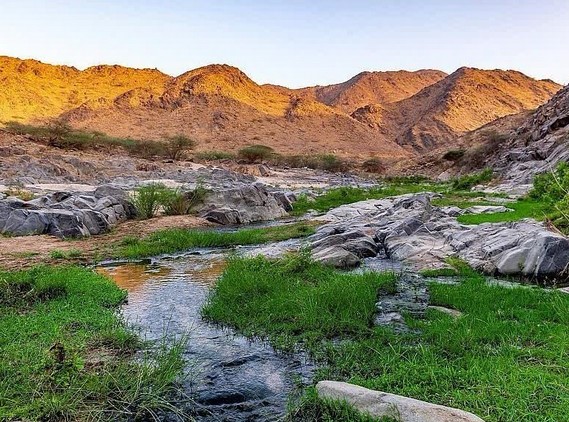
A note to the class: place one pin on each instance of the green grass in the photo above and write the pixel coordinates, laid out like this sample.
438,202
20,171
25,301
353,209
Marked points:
347,194
468,181
214,155
505,359
68,254
66,355
522,208
313,408
177,240
295,300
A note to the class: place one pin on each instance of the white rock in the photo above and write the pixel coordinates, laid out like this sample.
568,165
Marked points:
403,409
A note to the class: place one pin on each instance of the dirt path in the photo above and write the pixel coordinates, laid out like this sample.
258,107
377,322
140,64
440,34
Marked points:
26,251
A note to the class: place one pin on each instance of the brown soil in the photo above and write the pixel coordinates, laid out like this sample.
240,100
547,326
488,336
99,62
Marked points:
391,115
27,251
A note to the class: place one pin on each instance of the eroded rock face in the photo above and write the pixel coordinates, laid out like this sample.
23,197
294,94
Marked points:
538,145
65,214
380,404
409,229
241,205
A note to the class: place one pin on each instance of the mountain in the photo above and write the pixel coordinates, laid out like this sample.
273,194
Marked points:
224,109
385,114
463,101
373,88
31,89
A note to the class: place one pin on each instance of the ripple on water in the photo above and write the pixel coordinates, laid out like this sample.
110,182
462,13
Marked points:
230,377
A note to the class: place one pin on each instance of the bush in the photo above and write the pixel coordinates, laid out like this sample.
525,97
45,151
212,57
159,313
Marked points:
255,153
552,186
214,155
177,145
181,203
148,149
468,181
327,162
552,189
150,198
374,165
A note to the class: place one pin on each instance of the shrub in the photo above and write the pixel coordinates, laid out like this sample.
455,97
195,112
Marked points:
327,162
18,192
214,155
374,165
330,162
552,186
148,199
148,149
181,203
552,189
177,145
255,153
468,181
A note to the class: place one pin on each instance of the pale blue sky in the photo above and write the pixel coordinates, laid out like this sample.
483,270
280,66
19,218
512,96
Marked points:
293,42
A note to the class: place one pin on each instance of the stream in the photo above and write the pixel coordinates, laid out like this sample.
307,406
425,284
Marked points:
229,377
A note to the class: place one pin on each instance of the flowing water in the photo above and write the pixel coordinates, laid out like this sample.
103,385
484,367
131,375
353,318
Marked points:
230,377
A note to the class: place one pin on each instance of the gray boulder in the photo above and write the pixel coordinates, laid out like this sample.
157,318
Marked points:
65,214
410,230
336,256
379,404
241,205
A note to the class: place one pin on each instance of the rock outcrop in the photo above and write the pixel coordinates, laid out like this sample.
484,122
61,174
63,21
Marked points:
409,229
400,408
242,205
538,145
65,214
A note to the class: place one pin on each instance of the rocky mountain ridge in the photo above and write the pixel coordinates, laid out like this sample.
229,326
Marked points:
391,115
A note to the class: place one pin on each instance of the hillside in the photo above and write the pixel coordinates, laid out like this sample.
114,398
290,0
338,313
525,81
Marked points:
392,115
373,88
224,109
463,101
32,89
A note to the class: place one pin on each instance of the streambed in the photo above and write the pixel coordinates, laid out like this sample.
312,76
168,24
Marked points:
229,377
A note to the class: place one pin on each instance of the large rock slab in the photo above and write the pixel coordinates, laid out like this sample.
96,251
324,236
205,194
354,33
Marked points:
410,230
242,205
400,408
66,214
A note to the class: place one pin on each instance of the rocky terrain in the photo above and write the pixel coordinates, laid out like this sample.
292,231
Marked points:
391,115
410,230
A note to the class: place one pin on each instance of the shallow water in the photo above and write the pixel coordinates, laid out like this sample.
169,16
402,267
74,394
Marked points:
230,377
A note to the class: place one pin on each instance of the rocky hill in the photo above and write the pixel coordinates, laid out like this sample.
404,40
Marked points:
34,90
392,115
373,88
463,101
538,144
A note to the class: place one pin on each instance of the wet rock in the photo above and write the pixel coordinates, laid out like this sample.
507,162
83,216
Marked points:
411,297
380,404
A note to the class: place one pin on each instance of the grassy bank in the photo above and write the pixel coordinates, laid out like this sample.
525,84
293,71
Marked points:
66,355
503,359
177,240
333,198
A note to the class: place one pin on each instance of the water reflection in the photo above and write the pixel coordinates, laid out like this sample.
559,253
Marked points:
231,378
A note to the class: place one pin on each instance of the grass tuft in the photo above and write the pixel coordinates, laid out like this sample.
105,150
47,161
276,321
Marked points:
177,240
66,355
